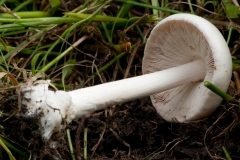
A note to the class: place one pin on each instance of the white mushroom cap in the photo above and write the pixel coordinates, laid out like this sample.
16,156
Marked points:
180,39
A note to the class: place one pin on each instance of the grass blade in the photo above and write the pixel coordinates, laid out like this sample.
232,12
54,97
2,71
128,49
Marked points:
217,90
149,6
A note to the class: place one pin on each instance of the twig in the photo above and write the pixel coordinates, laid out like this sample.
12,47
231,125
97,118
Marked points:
77,139
208,130
131,58
237,80
50,64
195,6
121,140
64,40
166,147
25,44
5,9
235,2
131,26
100,139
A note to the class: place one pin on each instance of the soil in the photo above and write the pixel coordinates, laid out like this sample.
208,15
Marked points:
133,130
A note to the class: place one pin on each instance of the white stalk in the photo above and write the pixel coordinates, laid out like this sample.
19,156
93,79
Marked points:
87,100
53,107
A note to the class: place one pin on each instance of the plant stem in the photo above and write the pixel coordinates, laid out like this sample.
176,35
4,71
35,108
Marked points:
226,153
22,5
29,14
85,143
50,64
98,18
14,148
125,8
2,2
148,6
27,51
155,11
128,22
21,46
229,35
36,21
70,144
106,66
190,6
66,34
217,90
54,4
11,157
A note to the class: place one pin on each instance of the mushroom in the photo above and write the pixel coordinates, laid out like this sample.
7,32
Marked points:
181,53
180,39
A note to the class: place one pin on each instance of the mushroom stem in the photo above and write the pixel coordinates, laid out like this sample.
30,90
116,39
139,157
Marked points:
52,107
87,100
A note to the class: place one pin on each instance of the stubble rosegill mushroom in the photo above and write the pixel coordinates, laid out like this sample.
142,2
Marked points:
181,53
